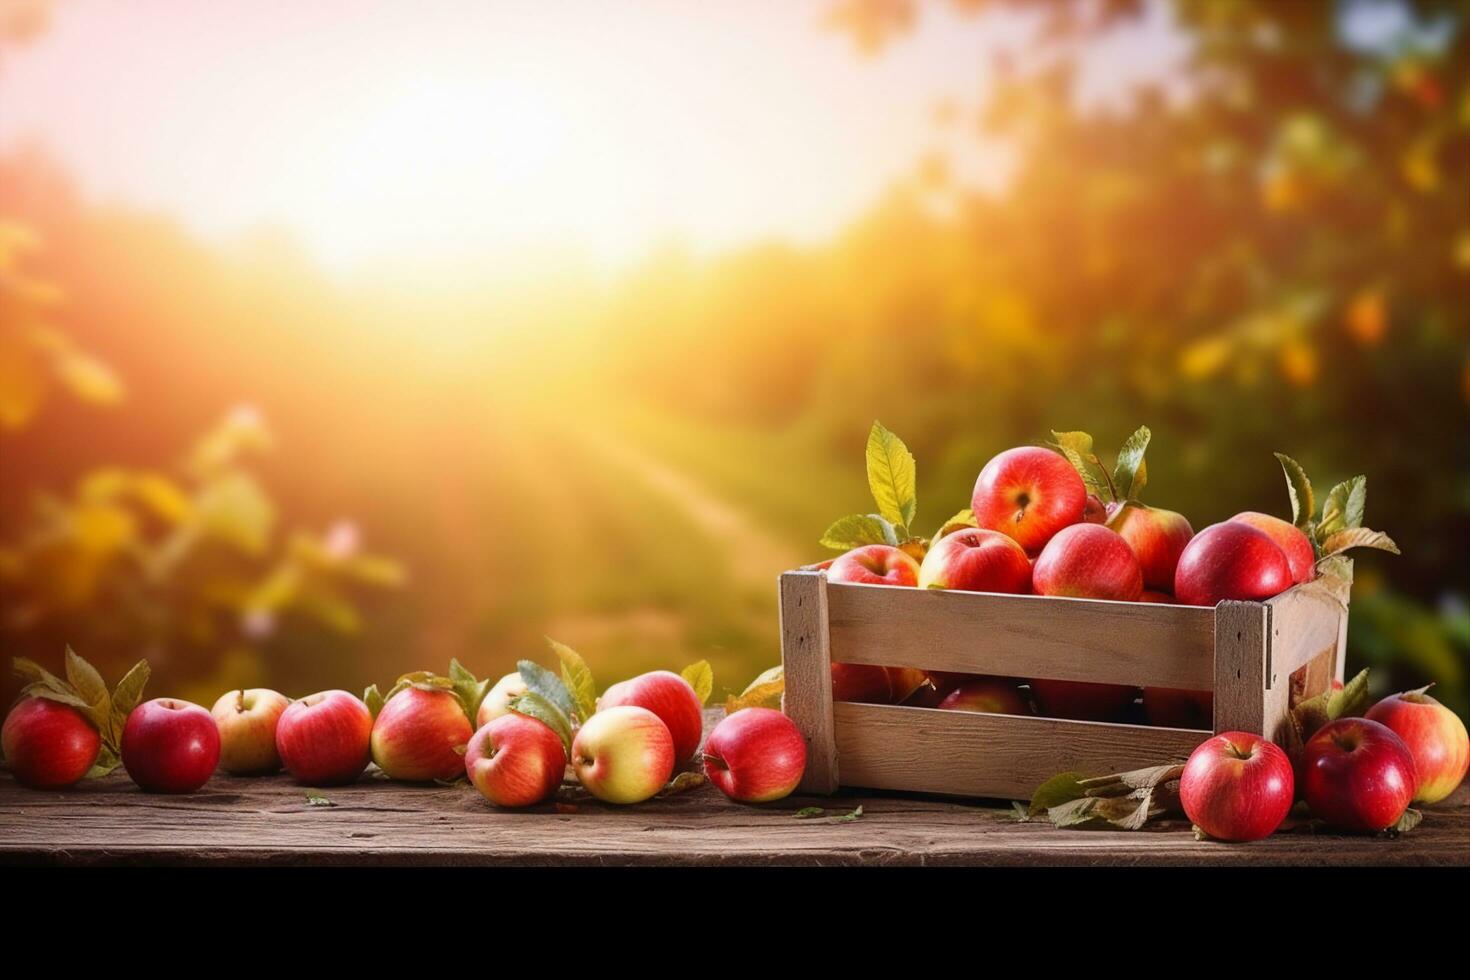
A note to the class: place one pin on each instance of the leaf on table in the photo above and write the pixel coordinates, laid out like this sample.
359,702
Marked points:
315,797
683,783
1124,801
1061,788
576,676
1021,813
701,677
849,817
1410,819
808,812
892,477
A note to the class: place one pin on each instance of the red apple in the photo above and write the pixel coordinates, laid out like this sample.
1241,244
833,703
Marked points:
418,735
325,739
1163,598
1230,561
1088,561
624,754
48,744
515,760
670,697
755,755
1029,494
863,683
497,700
170,746
247,730
875,564
903,681
1357,775
1082,701
976,561
1289,538
1435,737
987,695
1237,787
1157,537
1170,707
1094,511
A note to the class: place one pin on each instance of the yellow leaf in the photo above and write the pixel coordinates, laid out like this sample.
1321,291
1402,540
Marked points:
701,677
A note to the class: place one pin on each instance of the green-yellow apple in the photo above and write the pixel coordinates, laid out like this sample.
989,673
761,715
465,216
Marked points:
170,746
419,735
1232,560
875,564
755,755
976,560
325,739
48,744
624,754
1289,538
1088,561
1157,537
247,730
670,697
1435,737
515,760
1029,494
497,700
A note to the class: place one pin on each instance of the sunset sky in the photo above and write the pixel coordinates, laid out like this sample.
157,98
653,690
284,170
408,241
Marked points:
445,133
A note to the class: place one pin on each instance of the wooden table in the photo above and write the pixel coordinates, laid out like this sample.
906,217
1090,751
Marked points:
269,821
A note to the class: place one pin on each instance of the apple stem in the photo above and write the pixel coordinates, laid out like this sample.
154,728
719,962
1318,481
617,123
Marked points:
240,701
713,760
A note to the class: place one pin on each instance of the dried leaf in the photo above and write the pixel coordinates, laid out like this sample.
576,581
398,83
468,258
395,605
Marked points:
701,677
760,694
683,783
316,797
1410,819
1358,537
86,681
808,812
892,477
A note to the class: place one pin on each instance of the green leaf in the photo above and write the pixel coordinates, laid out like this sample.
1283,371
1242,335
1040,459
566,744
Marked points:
536,706
107,761
28,670
701,677
1130,475
577,677
373,698
469,689
1358,537
1077,447
807,812
683,783
849,817
1299,489
1343,508
125,697
315,797
1352,700
1410,819
892,477
545,683
857,530
1059,789
1022,813
64,696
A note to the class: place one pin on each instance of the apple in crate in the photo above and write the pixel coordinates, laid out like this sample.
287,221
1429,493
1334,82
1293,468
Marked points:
419,734
1157,537
976,560
670,697
623,754
1434,735
325,739
755,755
1294,544
1028,494
48,744
497,700
1237,787
1170,707
1230,561
987,695
247,730
515,760
1356,774
875,564
1082,701
1094,511
170,746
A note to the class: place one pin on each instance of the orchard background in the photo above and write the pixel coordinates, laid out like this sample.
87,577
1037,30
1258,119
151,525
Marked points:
224,454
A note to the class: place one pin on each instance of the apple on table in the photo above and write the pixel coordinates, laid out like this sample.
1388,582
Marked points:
325,739
247,722
515,760
755,755
670,697
1434,735
419,735
497,700
1237,786
48,744
170,746
623,754
1357,775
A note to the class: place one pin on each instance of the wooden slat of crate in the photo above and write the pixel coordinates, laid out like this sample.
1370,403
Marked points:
1006,756
1023,636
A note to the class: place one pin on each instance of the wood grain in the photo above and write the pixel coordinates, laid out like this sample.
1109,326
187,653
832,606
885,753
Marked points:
1306,622
1023,636
966,754
807,668
1241,678
267,821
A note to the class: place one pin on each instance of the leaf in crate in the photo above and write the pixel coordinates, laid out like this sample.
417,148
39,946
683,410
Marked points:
764,692
1059,789
1129,475
1343,508
545,683
1358,537
683,783
959,522
807,812
1299,489
892,477
701,677
543,710
857,530
576,676
1077,447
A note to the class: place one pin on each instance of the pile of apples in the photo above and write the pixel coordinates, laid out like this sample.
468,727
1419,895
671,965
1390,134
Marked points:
513,741
1038,524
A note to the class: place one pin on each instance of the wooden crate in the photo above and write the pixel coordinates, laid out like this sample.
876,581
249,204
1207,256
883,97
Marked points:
1258,658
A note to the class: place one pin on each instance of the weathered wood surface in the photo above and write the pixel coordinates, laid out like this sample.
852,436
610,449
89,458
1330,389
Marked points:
267,821
1090,640
807,671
